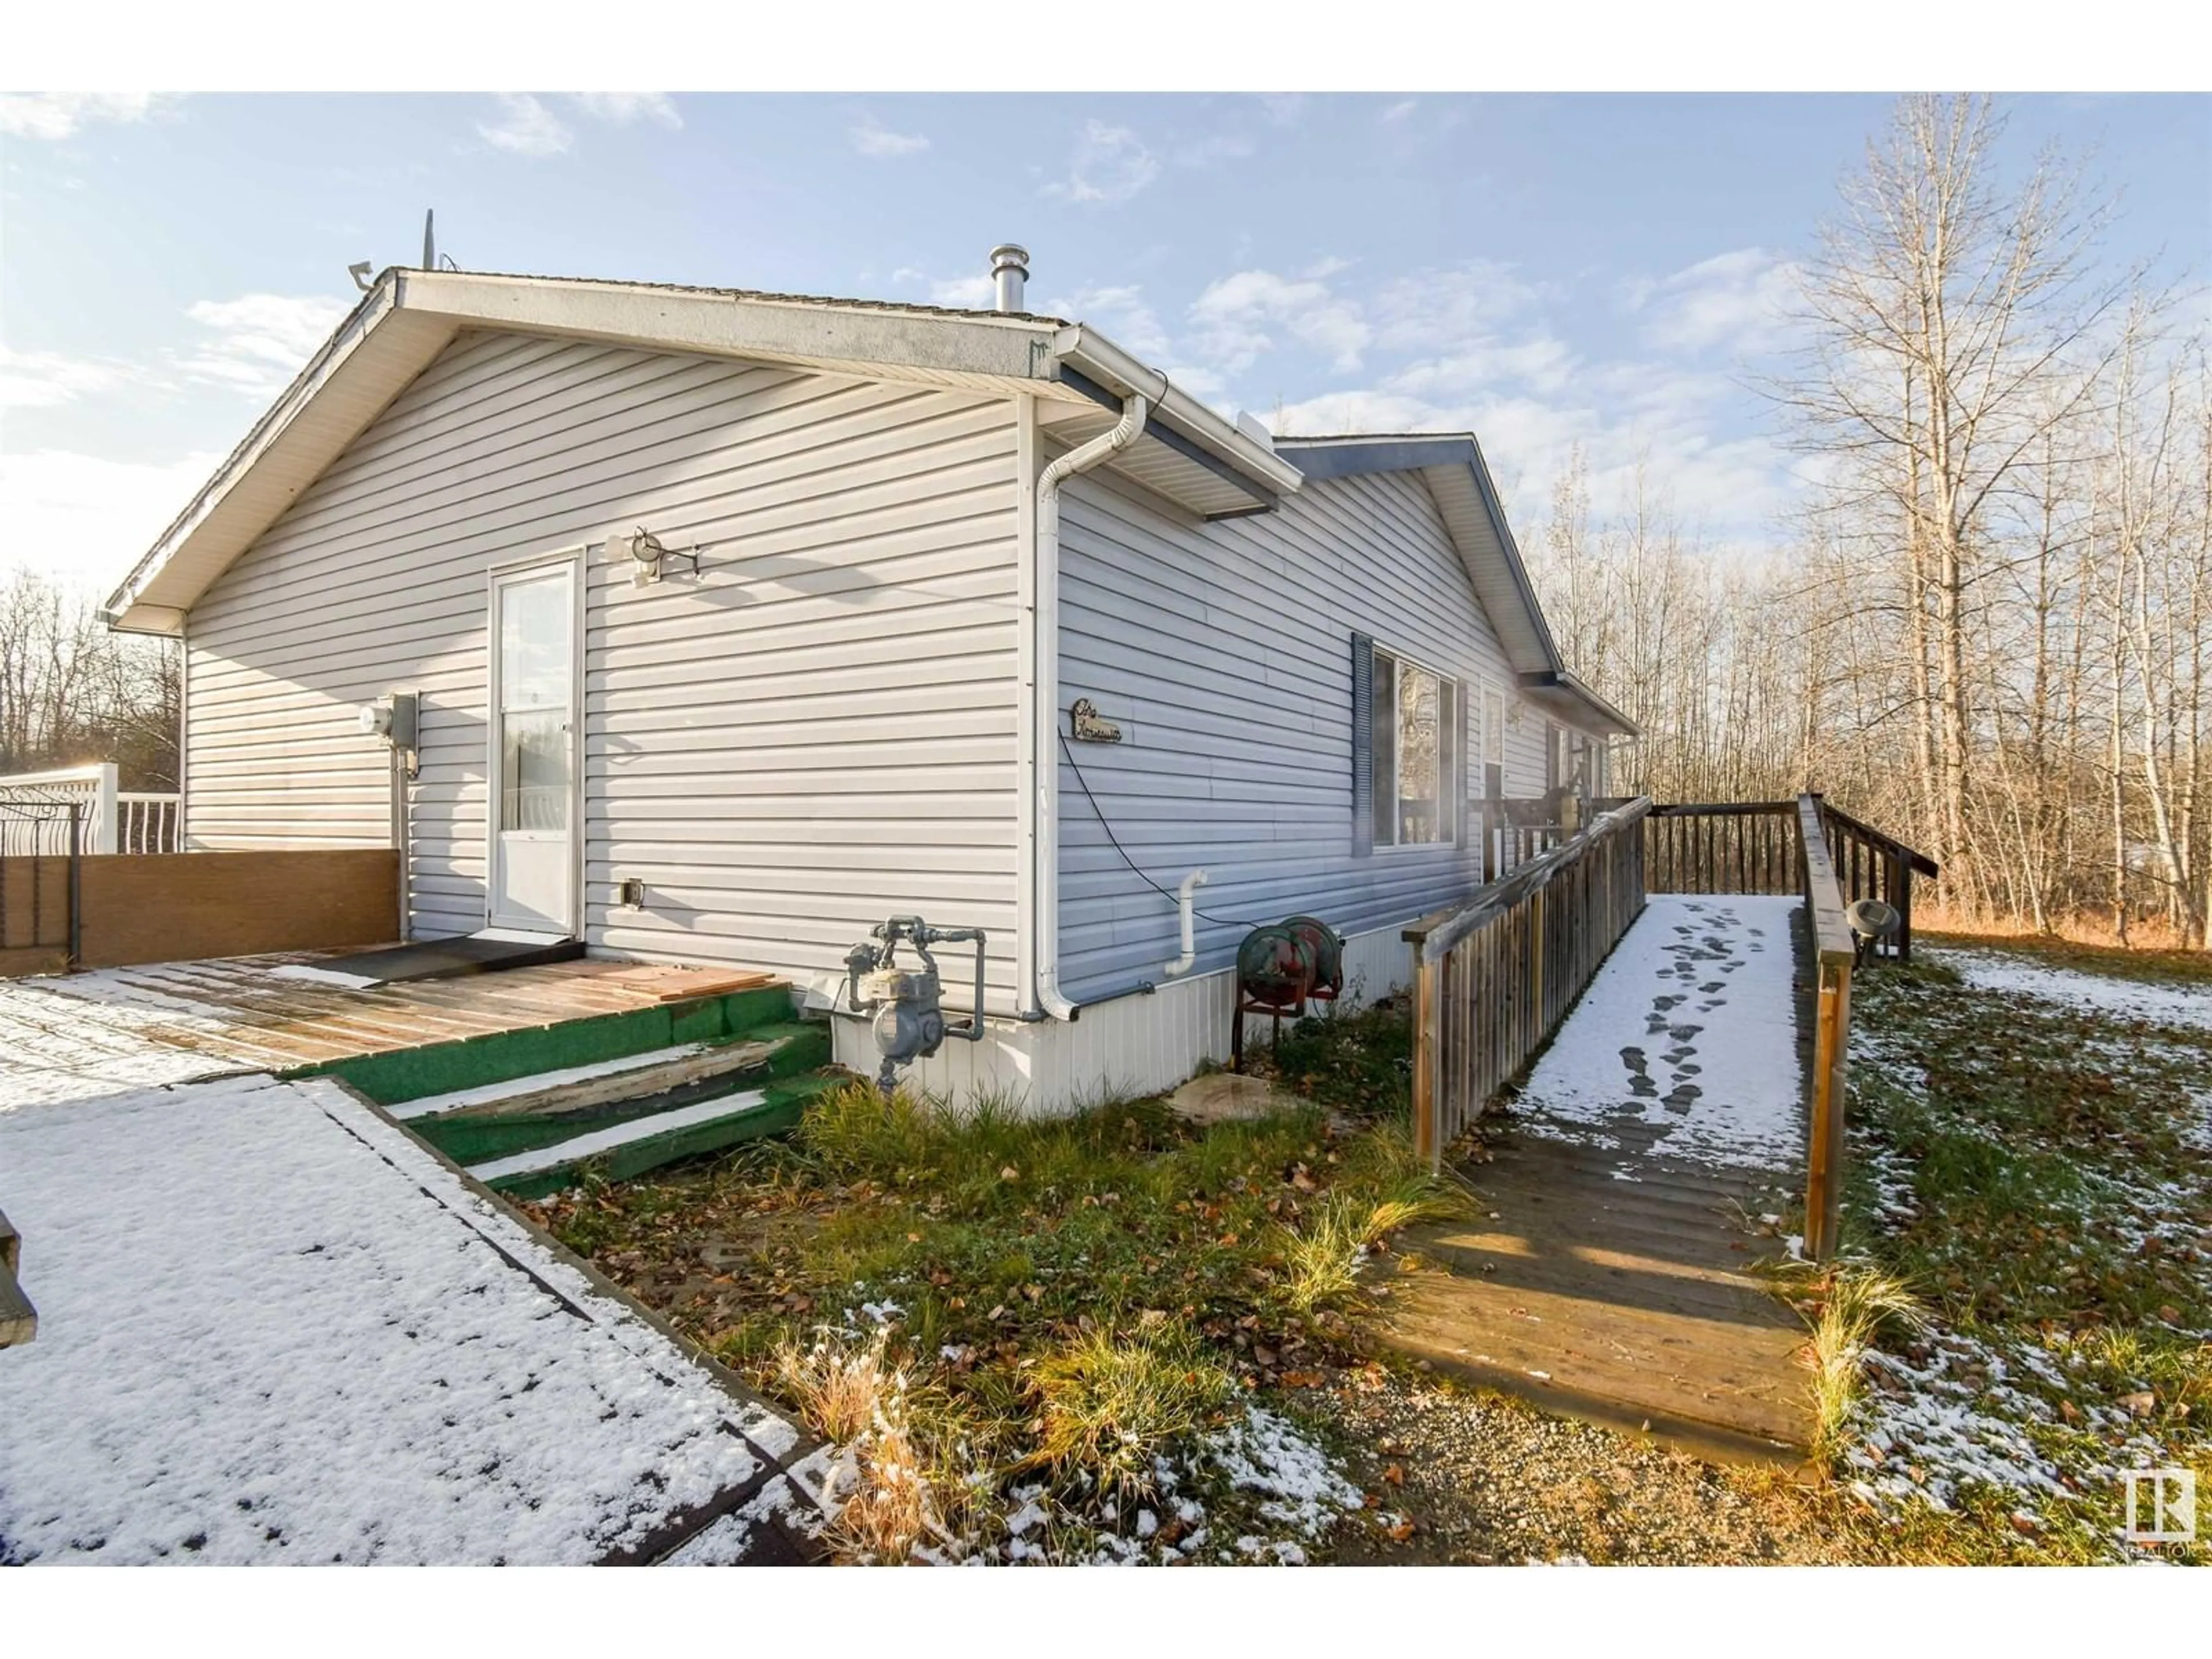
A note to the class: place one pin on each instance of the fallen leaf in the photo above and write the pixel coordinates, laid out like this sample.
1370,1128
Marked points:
1395,1474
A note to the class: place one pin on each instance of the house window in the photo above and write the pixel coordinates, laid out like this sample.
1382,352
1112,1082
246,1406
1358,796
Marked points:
1415,743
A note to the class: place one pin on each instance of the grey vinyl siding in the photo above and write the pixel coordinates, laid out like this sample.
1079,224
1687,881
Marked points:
817,732
1224,650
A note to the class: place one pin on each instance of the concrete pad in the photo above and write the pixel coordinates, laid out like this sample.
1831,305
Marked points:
1227,1097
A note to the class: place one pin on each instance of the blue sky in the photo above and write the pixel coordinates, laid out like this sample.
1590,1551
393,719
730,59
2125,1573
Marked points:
1550,269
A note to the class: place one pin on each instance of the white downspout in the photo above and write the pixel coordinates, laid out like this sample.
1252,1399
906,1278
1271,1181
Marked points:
1045,724
1187,907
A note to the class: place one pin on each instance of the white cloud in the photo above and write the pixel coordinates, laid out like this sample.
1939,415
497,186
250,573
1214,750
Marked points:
526,127
968,293
87,520
41,380
621,108
55,115
1282,108
1399,112
1739,301
1240,316
881,143
1449,307
1111,164
1121,312
261,340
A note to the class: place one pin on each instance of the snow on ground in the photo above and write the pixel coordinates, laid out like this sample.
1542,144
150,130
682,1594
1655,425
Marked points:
1688,1030
90,1040
2102,994
275,1327
1954,1412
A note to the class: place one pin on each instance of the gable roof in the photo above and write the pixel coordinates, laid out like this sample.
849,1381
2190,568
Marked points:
1451,465
1188,453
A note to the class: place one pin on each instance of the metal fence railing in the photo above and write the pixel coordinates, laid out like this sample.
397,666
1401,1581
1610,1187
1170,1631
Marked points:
115,820
41,848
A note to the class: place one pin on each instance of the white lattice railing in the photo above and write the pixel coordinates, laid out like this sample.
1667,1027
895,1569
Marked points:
147,823
110,821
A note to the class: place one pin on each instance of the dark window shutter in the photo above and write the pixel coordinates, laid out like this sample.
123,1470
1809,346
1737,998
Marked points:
1458,780
1363,745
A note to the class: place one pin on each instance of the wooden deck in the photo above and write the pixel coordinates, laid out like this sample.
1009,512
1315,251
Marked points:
1624,1303
238,1009
1607,1273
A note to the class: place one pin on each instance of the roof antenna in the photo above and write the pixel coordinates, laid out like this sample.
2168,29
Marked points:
429,239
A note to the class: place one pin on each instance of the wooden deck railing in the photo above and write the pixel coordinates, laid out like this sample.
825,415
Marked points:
1494,978
1739,846
1755,846
1833,954
1829,859
1868,864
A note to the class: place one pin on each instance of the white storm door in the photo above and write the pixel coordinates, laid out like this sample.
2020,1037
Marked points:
533,748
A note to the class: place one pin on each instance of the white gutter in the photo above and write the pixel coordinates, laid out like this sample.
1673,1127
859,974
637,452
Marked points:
1099,358
1044,875
1188,906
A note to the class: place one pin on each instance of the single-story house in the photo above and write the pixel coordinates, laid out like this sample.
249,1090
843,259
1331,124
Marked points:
737,622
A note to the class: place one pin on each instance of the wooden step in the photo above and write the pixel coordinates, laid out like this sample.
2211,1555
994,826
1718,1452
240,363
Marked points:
579,1149
641,1143
497,1121
576,1086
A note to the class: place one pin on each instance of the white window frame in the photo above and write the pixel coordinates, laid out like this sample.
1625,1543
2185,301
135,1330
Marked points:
1447,695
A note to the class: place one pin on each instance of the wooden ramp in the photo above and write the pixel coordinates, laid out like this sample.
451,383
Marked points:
1606,1274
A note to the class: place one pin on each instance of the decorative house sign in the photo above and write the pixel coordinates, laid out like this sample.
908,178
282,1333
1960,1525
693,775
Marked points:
1091,726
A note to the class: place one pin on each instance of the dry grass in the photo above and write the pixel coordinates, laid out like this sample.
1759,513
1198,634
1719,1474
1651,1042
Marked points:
2083,927
853,1396
1111,1402
1858,1302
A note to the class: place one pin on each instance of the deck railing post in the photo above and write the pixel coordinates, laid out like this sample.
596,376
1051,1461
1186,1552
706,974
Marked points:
1832,953
1427,1145
76,883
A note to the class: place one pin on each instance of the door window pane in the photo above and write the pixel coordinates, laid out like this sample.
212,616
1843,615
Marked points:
534,618
533,772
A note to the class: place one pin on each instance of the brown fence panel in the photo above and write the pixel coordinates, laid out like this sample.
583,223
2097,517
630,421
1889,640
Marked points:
174,906
1494,978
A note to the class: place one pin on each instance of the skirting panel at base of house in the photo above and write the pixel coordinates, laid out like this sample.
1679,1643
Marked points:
1138,1045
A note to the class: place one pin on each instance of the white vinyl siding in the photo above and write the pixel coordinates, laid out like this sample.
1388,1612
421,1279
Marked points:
1224,650
817,732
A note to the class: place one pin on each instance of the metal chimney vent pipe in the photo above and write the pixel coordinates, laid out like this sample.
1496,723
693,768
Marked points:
1010,269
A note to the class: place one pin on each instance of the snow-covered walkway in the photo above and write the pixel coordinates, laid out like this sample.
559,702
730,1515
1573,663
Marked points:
1658,1141
273,1327
1686,1044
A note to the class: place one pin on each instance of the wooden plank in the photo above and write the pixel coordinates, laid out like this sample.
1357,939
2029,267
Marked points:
1824,1176
1824,904
172,906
